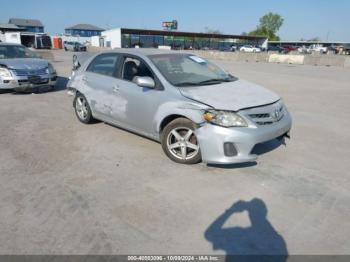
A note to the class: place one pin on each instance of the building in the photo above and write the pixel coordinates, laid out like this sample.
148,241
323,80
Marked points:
83,30
126,37
29,25
9,28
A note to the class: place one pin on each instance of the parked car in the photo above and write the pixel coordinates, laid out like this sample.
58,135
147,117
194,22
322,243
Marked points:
278,49
334,48
304,50
317,48
196,110
74,46
236,47
227,49
22,70
344,49
250,49
290,48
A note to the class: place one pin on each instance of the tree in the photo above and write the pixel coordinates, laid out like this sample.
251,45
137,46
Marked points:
269,26
315,39
212,31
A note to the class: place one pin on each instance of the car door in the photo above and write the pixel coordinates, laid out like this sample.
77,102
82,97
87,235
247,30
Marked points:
136,106
100,82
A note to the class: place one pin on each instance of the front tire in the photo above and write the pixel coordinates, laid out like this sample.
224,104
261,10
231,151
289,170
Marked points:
180,143
82,109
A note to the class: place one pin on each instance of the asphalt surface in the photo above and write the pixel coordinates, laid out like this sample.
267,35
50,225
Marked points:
69,188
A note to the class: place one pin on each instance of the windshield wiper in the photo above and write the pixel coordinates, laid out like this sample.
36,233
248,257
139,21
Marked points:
215,80
187,84
208,81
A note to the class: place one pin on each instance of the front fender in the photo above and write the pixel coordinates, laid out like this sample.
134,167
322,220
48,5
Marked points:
191,110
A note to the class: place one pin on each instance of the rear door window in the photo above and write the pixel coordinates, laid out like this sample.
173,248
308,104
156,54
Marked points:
105,64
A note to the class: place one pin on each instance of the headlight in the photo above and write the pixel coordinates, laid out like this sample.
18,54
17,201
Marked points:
50,69
224,118
4,72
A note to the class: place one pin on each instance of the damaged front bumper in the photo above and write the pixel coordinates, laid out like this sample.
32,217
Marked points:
221,145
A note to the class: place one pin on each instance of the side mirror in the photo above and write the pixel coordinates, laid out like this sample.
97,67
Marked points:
144,81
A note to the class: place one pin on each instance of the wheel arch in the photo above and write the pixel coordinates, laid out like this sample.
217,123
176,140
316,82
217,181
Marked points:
169,119
76,93
170,111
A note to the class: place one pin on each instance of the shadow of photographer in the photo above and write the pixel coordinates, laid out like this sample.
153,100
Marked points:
260,241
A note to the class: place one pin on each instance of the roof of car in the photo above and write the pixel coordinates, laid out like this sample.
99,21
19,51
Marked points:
144,51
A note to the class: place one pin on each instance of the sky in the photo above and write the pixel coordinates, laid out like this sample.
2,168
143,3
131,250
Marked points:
328,20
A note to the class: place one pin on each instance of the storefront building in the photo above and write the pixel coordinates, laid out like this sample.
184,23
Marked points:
143,38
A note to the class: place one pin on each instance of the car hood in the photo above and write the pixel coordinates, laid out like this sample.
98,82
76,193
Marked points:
24,63
231,96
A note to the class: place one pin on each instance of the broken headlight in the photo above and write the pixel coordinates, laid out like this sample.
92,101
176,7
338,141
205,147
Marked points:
224,118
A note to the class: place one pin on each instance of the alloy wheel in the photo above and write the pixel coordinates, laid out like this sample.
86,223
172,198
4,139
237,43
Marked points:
82,108
182,143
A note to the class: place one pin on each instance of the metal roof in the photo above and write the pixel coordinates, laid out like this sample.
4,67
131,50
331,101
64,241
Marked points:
9,26
84,27
188,34
25,22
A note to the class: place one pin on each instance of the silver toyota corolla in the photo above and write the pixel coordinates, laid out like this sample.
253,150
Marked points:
22,70
195,109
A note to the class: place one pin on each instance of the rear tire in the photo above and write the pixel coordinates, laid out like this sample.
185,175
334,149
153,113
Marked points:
82,109
180,143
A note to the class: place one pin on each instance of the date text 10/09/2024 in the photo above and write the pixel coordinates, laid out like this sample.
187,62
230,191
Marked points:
173,258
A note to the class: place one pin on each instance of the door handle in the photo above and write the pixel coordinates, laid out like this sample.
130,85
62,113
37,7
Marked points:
84,79
116,88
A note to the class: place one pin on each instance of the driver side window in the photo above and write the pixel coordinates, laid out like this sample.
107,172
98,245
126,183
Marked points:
133,67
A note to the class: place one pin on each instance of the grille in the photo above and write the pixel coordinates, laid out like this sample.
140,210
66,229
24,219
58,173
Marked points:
266,115
38,80
24,72
264,123
259,115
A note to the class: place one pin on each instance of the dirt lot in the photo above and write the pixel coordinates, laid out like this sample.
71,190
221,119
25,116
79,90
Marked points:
68,188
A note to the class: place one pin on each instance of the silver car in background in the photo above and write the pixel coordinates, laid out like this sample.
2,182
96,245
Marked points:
22,70
74,46
196,110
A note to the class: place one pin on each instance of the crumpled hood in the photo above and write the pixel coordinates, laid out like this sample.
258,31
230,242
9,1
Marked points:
24,63
231,96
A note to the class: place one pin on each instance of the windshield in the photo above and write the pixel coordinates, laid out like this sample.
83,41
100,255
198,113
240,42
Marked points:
13,51
189,70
